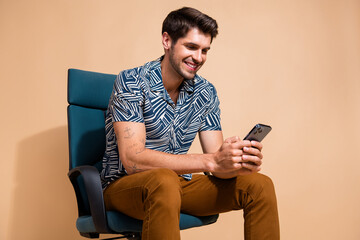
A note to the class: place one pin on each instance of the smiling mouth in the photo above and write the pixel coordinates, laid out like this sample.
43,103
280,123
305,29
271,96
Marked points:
192,66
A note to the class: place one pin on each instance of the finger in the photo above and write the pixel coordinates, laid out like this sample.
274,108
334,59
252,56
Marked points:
252,151
257,145
236,163
236,152
237,159
241,144
251,167
237,166
251,160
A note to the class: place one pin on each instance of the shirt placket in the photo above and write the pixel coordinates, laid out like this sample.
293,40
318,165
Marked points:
176,123
173,130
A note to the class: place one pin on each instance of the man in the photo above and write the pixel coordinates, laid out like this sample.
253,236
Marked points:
154,114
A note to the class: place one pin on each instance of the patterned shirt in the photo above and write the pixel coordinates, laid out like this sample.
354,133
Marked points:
139,96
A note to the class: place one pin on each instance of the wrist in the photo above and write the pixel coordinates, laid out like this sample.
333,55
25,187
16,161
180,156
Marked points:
209,162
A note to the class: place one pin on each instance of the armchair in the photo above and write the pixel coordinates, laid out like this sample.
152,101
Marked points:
88,96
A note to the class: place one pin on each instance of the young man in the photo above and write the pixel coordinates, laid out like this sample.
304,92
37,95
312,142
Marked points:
154,114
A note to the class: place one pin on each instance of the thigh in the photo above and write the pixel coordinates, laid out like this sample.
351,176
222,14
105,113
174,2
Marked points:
125,195
207,195
129,193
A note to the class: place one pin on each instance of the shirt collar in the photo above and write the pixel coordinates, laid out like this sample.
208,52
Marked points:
155,80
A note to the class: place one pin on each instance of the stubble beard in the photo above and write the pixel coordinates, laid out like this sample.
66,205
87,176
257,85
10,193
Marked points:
177,67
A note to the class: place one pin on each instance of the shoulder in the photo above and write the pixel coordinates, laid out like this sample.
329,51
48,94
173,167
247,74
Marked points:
132,79
129,76
141,73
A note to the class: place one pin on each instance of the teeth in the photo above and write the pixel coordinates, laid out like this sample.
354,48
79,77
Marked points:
191,65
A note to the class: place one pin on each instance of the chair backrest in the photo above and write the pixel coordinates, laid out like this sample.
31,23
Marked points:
88,98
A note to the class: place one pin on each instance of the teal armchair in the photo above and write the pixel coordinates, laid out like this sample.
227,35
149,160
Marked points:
88,96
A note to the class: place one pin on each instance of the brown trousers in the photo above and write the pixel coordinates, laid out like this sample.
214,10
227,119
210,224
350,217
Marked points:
157,197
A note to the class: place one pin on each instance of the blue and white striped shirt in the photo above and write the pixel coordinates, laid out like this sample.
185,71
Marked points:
139,96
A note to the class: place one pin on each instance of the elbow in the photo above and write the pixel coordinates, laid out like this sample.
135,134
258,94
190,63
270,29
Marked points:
132,160
130,165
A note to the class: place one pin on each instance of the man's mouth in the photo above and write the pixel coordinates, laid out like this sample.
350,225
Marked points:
192,66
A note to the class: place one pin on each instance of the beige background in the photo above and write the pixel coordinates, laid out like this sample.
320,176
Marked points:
292,64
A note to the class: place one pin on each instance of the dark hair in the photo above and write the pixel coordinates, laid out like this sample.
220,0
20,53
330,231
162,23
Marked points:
179,22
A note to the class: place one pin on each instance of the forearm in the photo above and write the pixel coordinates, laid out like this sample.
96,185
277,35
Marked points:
135,157
147,159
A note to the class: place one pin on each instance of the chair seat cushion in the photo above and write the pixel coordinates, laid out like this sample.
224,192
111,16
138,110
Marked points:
119,222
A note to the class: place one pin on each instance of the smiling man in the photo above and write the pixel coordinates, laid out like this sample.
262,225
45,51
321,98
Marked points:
154,114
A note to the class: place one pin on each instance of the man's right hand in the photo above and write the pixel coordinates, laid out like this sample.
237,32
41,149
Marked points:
237,157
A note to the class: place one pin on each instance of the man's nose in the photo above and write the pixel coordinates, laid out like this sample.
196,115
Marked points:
197,56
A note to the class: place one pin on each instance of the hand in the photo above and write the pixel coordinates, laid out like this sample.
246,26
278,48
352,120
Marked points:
237,157
229,156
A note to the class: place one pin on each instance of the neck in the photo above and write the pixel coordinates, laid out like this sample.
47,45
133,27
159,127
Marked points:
171,79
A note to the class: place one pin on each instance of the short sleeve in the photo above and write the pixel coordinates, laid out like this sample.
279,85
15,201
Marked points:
211,120
126,100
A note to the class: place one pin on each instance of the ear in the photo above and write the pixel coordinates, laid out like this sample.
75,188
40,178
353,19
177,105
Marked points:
166,41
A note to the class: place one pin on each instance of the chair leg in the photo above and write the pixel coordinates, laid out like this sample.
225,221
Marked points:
134,236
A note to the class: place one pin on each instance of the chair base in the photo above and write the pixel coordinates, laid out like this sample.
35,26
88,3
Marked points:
129,236
90,235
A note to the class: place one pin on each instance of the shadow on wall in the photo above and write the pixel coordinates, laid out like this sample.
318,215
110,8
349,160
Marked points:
44,205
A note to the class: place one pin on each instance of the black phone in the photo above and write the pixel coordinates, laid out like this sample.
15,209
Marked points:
258,132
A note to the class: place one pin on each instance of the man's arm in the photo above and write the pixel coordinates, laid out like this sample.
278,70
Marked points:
131,137
248,153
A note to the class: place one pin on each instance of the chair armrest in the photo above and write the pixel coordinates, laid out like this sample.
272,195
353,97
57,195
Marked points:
94,194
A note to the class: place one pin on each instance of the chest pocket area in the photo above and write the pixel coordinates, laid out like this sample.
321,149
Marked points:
190,130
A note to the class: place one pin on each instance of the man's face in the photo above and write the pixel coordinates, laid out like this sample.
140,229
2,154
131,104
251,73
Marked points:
189,53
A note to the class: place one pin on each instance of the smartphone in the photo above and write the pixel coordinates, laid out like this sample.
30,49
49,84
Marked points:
258,132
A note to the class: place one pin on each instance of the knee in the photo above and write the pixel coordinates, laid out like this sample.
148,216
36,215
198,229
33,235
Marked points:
260,184
263,180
